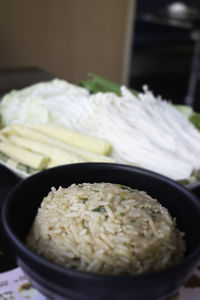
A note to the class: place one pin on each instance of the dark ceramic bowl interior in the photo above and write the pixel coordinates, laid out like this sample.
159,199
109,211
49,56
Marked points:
59,282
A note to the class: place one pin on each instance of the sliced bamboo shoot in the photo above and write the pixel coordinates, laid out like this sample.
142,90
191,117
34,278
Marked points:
40,137
75,138
34,160
59,156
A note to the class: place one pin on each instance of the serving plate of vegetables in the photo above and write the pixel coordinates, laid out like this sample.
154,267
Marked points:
56,122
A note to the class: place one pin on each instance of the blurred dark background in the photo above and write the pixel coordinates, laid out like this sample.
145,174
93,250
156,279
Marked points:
166,35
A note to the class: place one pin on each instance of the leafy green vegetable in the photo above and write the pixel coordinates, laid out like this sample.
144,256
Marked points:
99,84
186,110
189,113
195,120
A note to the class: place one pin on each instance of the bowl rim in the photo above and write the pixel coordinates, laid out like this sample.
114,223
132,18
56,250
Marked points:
190,258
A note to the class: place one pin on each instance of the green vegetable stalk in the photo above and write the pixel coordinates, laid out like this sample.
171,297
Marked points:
99,84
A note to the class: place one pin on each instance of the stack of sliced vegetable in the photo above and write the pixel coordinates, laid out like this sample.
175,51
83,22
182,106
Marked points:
142,130
31,149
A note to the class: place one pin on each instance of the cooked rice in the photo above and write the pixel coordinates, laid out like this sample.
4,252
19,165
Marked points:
105,228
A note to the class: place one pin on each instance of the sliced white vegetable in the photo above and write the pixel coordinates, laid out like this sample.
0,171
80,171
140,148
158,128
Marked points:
59,156
29,132
34,160
75,138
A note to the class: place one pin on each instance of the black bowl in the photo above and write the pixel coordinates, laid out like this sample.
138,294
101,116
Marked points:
59,282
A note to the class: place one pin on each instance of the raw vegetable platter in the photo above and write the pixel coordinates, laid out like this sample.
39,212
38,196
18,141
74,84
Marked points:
56,122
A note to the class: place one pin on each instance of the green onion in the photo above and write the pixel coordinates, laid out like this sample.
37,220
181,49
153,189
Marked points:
84,200
99,209
122,197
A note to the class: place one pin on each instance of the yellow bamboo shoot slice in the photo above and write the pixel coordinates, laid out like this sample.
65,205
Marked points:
75,138
40,137
34,160
59,156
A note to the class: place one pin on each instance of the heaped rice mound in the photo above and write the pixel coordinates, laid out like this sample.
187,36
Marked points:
105,228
